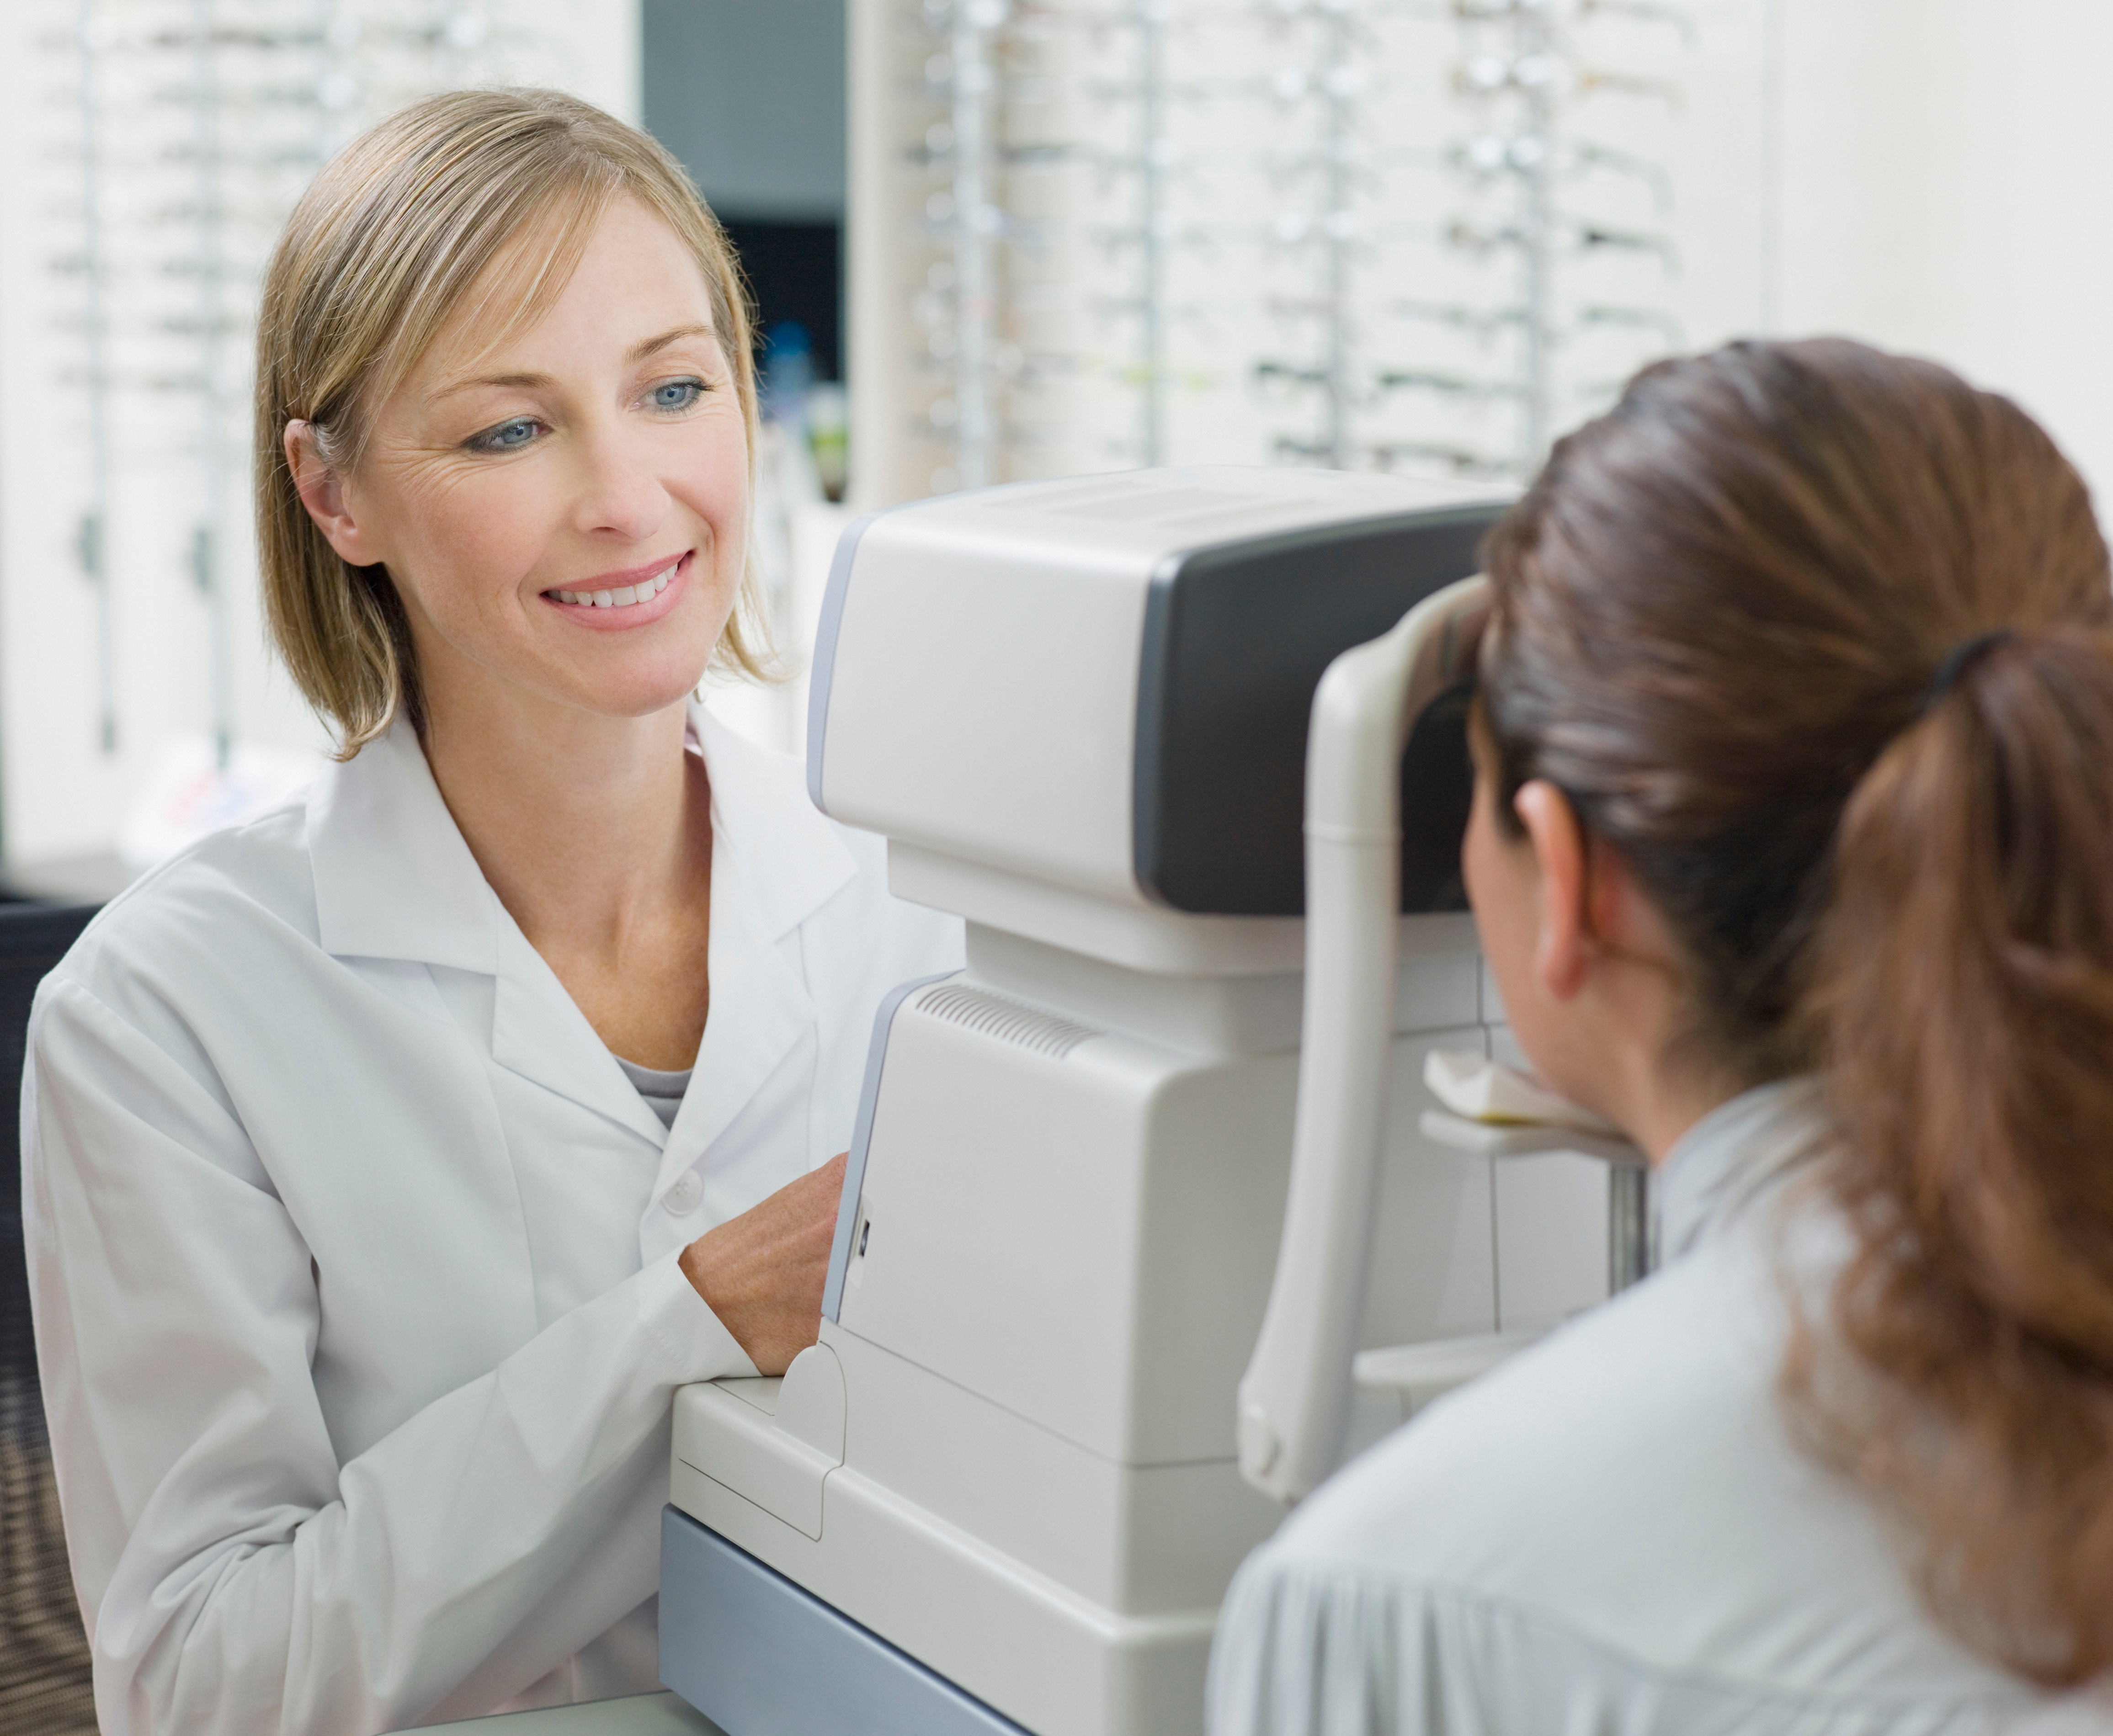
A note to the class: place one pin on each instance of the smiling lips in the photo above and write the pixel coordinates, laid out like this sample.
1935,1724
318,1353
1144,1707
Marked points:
624,596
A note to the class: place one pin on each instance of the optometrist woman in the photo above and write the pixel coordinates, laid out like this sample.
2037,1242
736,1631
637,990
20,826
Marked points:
1792,853
390,1160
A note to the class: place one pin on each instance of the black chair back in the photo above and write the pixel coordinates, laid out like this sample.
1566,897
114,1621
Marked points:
43,1654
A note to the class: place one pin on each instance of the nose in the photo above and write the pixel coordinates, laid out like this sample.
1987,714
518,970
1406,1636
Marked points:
618,494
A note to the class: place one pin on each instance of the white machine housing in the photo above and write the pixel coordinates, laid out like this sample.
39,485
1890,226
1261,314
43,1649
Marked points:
1015,688
1077,711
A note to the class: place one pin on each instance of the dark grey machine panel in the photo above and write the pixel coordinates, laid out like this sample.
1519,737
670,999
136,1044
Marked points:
1236,640
759,1657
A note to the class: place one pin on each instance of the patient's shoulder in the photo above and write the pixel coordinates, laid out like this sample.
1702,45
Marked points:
1633,1479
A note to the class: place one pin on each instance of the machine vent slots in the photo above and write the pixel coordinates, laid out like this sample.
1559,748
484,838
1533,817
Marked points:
990,1015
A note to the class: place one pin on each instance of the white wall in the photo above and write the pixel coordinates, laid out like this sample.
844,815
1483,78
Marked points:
1942,189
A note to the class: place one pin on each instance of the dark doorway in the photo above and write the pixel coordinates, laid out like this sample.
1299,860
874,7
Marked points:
794,271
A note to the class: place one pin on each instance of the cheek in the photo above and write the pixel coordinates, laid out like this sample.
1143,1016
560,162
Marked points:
1475,847
1501,896
713,477
473,535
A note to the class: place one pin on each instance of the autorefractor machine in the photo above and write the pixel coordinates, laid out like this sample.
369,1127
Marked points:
1090,1322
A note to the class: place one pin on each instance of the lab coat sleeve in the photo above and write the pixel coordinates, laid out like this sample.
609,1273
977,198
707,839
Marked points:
235,1576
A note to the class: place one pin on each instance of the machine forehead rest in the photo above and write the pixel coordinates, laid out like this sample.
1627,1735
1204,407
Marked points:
1105,684
1236,640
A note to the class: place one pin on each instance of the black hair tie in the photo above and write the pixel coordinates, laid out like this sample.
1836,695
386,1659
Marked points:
1957,661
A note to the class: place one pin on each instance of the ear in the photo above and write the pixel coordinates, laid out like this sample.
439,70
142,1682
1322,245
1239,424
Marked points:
322,492
1562,942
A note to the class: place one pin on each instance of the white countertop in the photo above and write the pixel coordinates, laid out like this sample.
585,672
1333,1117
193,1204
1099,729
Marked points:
635,1714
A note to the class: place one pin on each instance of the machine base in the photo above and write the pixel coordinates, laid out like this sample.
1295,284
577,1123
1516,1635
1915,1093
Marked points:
761,1657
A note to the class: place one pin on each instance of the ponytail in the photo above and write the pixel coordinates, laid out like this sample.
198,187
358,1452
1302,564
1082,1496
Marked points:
1962,994
1718,611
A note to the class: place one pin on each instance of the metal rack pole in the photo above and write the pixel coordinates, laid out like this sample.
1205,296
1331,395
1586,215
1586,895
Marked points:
1631,1257
330,82
977,223
1337,222
94,547
1153,146
447,32
1533,47
206,540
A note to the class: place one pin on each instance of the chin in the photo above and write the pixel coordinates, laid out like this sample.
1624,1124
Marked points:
645,701
634,693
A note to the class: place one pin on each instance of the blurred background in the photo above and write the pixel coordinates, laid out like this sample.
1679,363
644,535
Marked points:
992,241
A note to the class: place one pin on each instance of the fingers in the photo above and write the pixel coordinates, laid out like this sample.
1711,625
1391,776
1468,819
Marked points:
762,1273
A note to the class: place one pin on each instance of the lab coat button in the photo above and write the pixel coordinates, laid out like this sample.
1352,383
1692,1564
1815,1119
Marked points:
684,1197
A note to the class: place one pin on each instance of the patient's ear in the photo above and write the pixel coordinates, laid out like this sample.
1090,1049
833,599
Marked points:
1592,906
1562,926
323,491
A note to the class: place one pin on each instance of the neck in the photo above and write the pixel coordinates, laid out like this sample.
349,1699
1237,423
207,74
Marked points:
1649,1076
584,825
1663,1109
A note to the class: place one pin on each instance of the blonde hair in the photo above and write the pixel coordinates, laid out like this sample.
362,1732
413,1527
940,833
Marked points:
377,258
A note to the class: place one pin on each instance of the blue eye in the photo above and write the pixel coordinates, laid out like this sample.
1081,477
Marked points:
676,394
507,437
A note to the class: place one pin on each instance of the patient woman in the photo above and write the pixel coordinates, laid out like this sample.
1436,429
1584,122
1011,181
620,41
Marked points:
1792,852
390,1161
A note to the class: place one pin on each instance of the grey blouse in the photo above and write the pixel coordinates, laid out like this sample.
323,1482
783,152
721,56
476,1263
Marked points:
1613,1533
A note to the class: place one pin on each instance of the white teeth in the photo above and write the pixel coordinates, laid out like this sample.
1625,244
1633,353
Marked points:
623,597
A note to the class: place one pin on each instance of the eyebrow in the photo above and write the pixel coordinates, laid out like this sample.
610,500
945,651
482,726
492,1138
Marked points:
643,350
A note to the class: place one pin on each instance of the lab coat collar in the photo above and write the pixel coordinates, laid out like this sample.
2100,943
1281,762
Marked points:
395,880
788,859
775,861
539,1031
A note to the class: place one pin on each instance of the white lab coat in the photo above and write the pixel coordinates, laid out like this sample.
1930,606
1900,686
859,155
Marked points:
354,1252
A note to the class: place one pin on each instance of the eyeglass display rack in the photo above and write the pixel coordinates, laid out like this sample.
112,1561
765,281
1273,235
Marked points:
179,134
1425,236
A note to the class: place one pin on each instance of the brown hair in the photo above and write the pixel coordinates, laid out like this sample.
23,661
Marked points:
1720,614
386,243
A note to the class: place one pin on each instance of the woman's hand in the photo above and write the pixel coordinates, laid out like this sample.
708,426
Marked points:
763,1272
